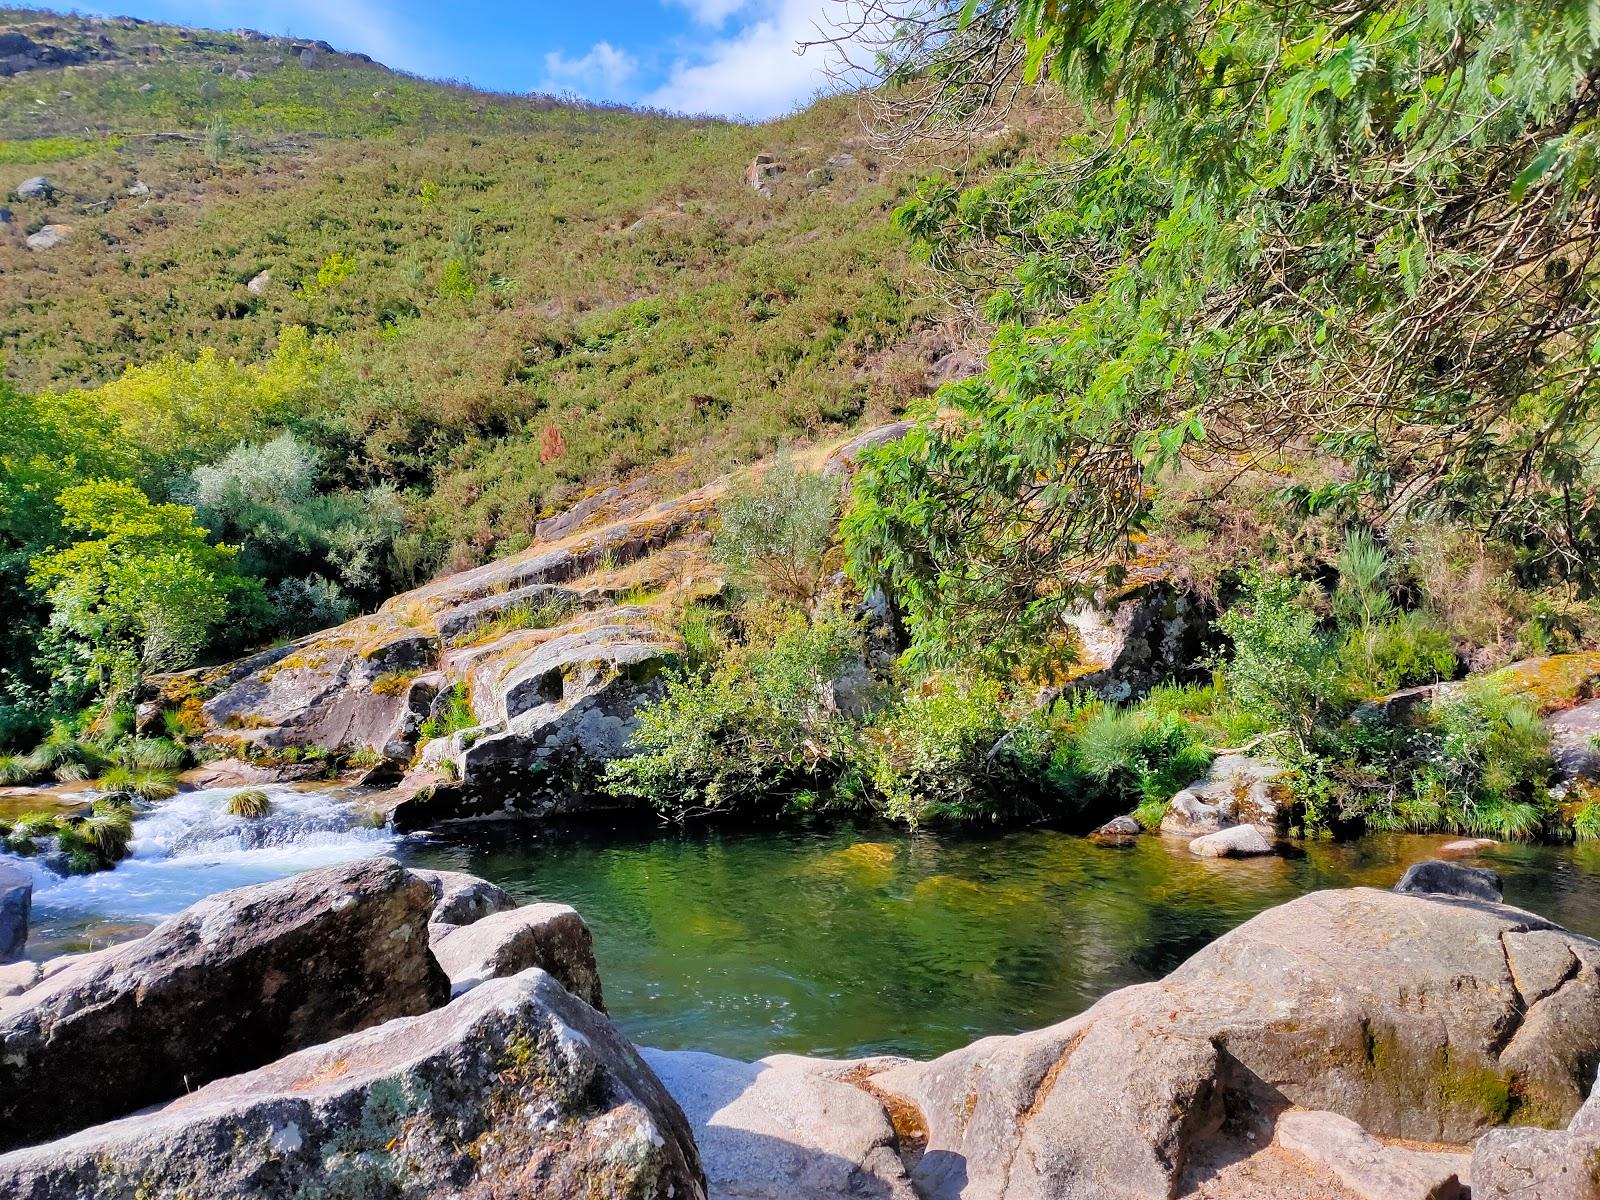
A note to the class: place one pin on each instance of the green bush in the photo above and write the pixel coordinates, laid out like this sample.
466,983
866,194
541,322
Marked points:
1283,669
252,804
757,728
1140,758
1402,651
774,533
455,716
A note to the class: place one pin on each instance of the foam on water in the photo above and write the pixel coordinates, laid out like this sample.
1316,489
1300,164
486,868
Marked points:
189,847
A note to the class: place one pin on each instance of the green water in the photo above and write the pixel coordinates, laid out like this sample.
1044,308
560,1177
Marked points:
858,941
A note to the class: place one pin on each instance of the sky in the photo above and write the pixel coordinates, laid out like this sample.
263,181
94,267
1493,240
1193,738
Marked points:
729,57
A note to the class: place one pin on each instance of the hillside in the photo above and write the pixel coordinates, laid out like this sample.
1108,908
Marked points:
491,267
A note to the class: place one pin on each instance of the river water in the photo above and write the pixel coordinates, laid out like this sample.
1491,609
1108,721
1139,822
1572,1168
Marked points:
838,941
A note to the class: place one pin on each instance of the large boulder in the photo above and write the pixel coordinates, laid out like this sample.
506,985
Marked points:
517,1089
782,1133
16,904
1425,1018
552,937
238,980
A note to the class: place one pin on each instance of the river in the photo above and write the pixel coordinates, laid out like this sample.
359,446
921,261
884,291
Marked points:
838,941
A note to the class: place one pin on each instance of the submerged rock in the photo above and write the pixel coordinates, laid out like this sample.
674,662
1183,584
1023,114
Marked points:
1119,831
771,1133
552,937
517,1089
1424,1018
1434,877
233,982
16,904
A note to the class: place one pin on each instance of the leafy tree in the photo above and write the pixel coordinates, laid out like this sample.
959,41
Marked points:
140,585
1360,230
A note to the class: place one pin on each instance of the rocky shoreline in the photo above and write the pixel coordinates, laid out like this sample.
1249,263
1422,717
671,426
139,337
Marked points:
369,1030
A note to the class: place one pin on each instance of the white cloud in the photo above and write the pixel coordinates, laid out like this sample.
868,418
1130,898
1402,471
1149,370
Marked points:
754,71
598,74
710,12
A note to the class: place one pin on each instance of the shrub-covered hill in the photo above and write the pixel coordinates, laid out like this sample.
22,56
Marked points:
524,298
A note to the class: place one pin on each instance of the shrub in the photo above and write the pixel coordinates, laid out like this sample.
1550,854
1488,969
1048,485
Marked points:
1283,668
954,752
146,783
1140,757
1401,651
1485,767
774,532
759,726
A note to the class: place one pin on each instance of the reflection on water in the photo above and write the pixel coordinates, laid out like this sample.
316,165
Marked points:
843,941
865,941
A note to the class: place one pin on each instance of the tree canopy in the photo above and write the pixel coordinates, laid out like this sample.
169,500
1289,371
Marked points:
1362,230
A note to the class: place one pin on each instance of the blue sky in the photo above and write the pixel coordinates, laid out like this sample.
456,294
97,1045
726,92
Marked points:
734,57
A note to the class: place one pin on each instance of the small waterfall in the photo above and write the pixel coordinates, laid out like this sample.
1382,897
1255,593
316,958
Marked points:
190,846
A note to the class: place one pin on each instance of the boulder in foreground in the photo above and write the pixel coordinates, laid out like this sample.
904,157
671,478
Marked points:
783,1133
236,981
517,1089
1425,1018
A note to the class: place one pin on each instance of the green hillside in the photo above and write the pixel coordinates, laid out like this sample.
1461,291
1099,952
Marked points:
466,308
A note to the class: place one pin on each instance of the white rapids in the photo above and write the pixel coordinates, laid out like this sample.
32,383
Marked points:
189,847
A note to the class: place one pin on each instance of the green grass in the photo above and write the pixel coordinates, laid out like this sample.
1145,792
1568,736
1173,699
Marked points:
42,151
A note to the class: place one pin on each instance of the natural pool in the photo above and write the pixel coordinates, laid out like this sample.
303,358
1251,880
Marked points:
836,941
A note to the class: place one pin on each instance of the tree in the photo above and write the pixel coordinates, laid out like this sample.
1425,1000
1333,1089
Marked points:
1362,230
141,585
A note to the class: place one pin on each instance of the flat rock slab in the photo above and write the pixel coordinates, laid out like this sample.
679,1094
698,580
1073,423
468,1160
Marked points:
517,1089
552,937
781,1132
236,981
1536,1164
1370,1168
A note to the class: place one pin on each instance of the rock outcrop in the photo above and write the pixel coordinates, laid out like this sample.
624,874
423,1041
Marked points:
552,937
236,981
1426,1018
16,904
1237,790
550,649
516,1089
769,1132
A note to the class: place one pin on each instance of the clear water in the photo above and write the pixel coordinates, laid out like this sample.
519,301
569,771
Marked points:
840,941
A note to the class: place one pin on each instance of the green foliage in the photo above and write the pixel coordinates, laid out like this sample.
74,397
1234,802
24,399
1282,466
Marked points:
773,533
952,752
251,804
142,586
1282,669
453,716
1141,756
757,727
1402,651
543,613
1286,221
145,783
